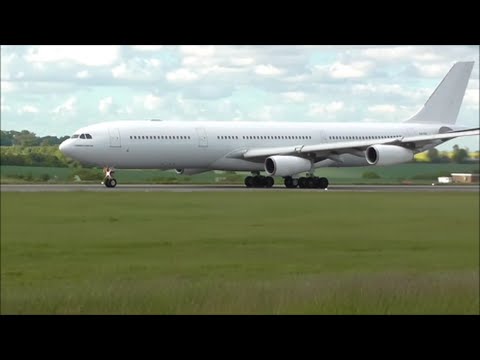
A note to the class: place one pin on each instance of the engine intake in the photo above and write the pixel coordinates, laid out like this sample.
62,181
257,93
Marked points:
280,165
388,155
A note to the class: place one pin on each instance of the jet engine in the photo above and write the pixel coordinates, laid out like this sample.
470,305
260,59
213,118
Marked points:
280,165
388,155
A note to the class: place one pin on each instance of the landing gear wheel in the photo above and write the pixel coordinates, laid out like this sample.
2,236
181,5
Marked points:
302,183
111,183
323,183
311,182
249,181
269,182
288,181
260,181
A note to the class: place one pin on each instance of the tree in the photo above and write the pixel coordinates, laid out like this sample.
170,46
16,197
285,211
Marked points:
26,138
459,155
433,155
6,138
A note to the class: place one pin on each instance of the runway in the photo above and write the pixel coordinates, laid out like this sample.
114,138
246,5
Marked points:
230,188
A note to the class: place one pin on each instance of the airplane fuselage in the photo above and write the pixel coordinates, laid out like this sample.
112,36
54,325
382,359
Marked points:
213,145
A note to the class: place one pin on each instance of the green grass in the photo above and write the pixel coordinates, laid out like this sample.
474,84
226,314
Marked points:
242,253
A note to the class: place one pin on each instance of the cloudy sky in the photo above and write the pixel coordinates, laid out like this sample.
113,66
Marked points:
54,90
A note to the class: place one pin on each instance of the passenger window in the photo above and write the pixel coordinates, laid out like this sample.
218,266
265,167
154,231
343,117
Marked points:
82,136
88,136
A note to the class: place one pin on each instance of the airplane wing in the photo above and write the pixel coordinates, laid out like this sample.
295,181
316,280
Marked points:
356,147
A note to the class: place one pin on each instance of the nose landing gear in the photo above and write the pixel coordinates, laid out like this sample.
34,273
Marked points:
109,181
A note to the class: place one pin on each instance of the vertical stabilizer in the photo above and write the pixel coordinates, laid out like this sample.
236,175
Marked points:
444,104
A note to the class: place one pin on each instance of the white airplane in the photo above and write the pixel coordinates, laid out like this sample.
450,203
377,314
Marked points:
278,148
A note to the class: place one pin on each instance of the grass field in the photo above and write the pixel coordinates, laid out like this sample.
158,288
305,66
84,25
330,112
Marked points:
241,253
415,172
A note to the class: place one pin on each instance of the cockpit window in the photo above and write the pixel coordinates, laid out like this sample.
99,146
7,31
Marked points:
75,136
82,136
88,136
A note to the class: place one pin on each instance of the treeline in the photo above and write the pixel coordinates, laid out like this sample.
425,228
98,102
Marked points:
27,138
457,155
49,156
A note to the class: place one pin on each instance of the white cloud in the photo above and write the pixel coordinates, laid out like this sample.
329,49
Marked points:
195,61
105,104
198,50
119,71
398,53
147,47
265,113
185,106
7,60
433,70
418,94
267,70
127,110
150,101
7,86
89,55
4,107
153,62
319,109
83,74
181,75
28,109
295,96
138,69
382,88
382,109
353,70
245,61
472,98
68,107
334,106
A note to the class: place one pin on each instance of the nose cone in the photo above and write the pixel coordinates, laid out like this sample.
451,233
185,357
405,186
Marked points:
65,147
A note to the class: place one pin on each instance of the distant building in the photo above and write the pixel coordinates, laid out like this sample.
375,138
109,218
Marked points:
444,180
465,178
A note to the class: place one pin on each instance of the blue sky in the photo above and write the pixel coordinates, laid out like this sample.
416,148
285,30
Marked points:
54,90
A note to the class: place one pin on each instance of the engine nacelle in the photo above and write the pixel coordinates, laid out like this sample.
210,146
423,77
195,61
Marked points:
388,155
280,165
190,171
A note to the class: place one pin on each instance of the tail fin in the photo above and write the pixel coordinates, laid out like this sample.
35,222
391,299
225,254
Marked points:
444,104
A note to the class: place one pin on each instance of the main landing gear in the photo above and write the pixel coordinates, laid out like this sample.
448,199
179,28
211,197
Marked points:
109,181
259,181
311,182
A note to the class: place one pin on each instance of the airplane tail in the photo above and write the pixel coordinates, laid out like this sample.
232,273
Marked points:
444,104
